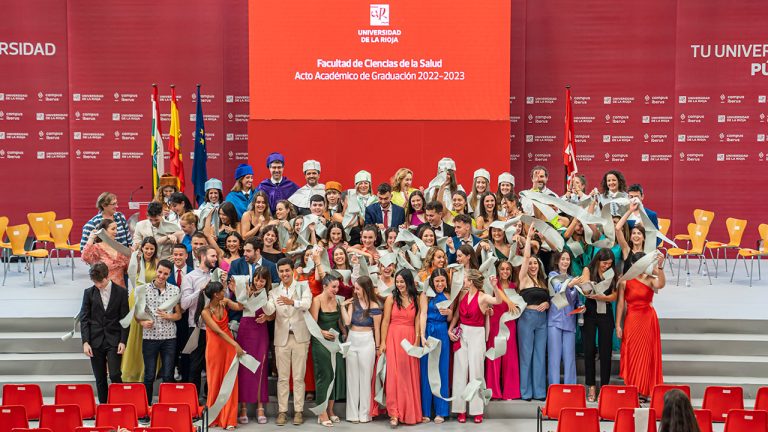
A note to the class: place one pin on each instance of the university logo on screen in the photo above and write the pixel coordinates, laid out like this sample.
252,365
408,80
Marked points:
379,15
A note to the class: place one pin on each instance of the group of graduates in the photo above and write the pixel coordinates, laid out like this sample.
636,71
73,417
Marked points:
414,303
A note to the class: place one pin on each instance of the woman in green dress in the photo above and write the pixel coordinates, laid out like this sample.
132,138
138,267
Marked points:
327,312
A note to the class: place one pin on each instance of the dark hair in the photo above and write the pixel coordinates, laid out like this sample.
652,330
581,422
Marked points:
463,218
347,266
154,209
366,284
273,229
316,198
462,194
153,242
239,238
210,290
511,197
200,235
256,242
375,231
388,231
541,277
299,260
104,224
437,273
290,207
635,187
556,255
329,278
384,188
98,272
435,206
678,415
331,226
619,176
484,213
180,246
263,272
632,259
409,209
230,212
284,261
180,198
470,251
602,255
410,287
165,263
423,229
540,168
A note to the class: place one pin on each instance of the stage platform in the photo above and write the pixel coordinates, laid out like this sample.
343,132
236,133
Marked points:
711,335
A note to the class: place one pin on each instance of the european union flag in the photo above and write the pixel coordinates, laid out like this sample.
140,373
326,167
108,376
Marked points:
199,169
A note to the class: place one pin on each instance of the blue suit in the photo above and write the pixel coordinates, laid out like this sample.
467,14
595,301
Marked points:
374,215
456,244
172,277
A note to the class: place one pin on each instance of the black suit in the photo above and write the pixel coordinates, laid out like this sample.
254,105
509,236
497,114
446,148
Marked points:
448,230
101,329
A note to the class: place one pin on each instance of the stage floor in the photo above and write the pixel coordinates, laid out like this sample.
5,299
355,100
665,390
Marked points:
721,300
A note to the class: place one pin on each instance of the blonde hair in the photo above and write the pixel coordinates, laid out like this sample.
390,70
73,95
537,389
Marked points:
189,218
398,178
104,199
476,278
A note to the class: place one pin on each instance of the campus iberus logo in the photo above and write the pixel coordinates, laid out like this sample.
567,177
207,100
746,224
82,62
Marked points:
379,14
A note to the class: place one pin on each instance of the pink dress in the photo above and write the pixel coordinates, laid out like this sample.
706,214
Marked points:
116,264
402,383
502,375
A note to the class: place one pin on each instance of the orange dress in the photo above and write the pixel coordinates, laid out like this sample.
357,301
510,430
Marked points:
403,388
641,344
218,358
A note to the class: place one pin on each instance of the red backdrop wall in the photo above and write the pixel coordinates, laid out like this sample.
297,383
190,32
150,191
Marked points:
691,128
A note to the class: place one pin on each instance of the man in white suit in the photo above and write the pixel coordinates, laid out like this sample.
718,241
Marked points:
290,300
165,233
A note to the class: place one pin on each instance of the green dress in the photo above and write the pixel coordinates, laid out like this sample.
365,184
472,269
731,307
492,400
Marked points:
321,359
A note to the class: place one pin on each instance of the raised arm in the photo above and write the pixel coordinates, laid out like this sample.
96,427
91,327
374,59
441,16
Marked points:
620,311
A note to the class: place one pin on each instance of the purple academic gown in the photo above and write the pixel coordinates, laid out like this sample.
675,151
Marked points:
275,193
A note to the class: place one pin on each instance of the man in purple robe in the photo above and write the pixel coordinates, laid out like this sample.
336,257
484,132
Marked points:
277,187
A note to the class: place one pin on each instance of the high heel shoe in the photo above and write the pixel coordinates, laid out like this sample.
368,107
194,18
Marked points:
592,395
326,423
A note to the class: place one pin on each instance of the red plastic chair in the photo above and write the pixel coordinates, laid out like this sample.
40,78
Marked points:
657,395
578,419
13,416
746,421
720,400
625,421
114,415
704,419
613,397
94,429
185,393
77,394
174,416
31,430
761,401
60,418
132,394
560,396
152,429
27,395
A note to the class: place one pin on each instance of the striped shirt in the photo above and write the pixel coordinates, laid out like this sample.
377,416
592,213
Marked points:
122,236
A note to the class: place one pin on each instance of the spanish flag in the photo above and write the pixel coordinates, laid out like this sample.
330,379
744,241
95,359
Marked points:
158,164
174,142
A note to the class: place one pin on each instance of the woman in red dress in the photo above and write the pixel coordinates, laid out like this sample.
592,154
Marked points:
641,337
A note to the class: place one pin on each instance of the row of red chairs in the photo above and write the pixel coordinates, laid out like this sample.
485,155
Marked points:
588,420
718,402
95,429
67,418
31,397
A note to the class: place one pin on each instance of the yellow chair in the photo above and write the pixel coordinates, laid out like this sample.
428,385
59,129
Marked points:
698,236
60,231
4,246
754,253
17,234
39,222
664,225
735,233
700,217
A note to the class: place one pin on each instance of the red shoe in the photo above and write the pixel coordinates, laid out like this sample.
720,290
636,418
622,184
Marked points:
478,419
462,418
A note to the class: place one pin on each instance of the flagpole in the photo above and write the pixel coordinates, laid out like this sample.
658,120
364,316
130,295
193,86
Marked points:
565,167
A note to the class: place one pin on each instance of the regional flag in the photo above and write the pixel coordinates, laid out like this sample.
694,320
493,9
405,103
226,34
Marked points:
199,169
156,150
569,145
174,142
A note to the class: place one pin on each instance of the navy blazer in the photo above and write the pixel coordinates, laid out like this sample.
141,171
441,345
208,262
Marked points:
172,277
374,215
240,267
457,244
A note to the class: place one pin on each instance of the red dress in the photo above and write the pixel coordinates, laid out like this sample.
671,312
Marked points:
641,344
